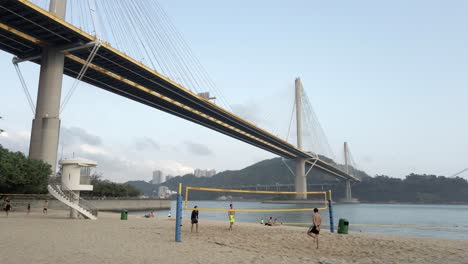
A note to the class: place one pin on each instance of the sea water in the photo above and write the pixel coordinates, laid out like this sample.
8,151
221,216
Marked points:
421,220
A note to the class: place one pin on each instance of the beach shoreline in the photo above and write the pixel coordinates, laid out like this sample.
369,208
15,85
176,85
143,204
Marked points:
56,239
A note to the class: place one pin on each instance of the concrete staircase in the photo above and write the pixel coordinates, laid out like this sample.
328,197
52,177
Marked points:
69,198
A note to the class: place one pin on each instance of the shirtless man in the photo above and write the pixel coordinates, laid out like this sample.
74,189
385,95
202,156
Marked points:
194,219
231,214
314,230
46,204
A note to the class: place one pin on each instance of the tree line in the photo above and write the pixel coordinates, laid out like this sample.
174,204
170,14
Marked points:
20,175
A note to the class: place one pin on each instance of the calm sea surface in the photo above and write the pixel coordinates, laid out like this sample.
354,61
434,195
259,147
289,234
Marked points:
437,221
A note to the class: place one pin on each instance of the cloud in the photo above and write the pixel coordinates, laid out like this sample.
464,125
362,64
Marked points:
15,140
76,135
146,143
122,169
168,167
117,162
89,149
198,149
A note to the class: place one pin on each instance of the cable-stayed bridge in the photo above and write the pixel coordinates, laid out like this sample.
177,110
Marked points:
34,34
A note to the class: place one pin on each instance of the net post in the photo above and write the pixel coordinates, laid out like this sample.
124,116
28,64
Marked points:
330,211
178,215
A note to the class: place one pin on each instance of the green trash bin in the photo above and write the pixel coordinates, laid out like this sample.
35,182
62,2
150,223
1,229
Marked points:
343,225
123,215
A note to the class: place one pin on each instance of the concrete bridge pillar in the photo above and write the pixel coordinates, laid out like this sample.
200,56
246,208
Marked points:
301,180
348,197
46,124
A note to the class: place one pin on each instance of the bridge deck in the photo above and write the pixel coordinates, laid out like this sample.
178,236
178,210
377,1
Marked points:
25,29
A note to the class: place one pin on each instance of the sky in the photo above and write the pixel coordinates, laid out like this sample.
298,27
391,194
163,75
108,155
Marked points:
388,77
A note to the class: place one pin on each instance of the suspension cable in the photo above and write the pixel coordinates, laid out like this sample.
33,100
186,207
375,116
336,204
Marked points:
80,75
25,88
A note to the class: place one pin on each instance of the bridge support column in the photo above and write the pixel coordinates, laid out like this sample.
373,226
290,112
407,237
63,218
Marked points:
300,180
348,197
46,124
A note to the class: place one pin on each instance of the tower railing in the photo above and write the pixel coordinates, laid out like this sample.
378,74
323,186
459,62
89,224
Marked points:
56,183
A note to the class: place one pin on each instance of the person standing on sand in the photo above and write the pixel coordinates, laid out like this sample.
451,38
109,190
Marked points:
194,219
46,204
7,207
231,214
29,208
314,230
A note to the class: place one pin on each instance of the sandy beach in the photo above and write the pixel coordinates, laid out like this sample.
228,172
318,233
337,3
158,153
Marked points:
56,239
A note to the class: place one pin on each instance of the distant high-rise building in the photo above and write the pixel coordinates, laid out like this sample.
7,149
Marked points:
198,173
158,177
168,177
204,173
210,173
164,192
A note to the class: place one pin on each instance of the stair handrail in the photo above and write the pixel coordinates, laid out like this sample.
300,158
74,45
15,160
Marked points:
88,206
56,183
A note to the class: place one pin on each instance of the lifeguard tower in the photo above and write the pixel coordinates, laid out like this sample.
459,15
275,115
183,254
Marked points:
76,177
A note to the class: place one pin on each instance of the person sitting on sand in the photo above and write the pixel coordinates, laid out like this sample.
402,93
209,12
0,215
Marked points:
231,214
152,214
314,230
261,221
194,219
169,215
270,222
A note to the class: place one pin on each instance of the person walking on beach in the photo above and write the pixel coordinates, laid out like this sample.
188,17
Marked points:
231,214
194,219
46,204
314,230
7,207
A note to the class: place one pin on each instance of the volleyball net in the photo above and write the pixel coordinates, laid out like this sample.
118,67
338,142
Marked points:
320,199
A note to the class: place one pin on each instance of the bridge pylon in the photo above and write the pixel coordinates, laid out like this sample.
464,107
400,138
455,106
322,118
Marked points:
300,180
348,197
46,124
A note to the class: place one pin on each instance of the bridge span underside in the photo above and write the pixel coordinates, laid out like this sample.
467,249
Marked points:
25,29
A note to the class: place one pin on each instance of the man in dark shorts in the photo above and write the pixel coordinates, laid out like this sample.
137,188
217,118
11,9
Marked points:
46,204
314,230
7,207
194,219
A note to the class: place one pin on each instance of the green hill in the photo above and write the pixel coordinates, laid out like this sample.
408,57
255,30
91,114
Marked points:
379,189
266,172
